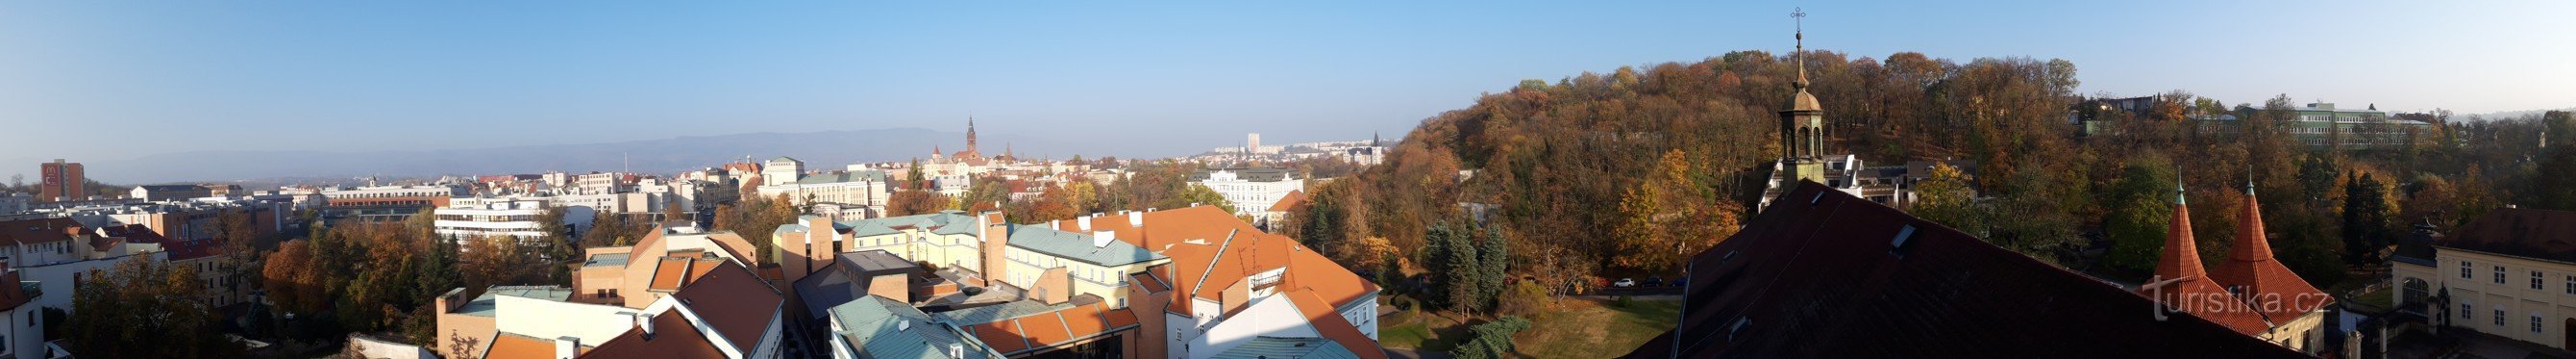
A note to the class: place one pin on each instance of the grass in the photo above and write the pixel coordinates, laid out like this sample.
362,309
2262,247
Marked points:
2384,298
1576,328
1587,328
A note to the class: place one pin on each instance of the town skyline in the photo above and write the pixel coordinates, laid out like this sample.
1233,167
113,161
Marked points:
1133,76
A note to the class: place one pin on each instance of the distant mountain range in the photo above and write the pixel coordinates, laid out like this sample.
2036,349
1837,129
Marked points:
820,150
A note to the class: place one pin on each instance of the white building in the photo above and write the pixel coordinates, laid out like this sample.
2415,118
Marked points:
1251,190
474,218
867,189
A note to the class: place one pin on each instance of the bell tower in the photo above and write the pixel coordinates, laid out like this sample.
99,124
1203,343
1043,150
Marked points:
1802,125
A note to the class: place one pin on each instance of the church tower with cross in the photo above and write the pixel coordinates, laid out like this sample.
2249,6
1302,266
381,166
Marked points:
1802,132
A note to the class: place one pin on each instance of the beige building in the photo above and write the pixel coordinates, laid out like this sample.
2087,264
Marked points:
2509,274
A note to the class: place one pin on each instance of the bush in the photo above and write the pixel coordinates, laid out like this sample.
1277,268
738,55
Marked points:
1524,299
1619,302
1492,340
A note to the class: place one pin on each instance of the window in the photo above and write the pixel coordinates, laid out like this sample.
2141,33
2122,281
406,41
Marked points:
2499,317
2468,311
2535,322
2535,280
2464,270
2571,284
2499,274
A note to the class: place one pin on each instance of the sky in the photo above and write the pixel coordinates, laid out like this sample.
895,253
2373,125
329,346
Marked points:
120,79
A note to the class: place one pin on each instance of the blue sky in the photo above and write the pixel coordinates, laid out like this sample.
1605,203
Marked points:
117,79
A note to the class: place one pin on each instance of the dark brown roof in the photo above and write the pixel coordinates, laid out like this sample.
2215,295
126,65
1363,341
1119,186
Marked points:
43,230
734,302
673,337
1820,274
2521,232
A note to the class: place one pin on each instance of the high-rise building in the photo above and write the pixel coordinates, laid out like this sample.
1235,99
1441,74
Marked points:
63,181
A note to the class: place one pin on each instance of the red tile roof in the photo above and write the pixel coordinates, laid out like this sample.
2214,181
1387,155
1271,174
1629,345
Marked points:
1294,201
2258,278
1822,266
515,346
2183,284
1003,336
12,294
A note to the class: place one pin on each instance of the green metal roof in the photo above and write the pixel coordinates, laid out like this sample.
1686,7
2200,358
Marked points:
885,329
1077,246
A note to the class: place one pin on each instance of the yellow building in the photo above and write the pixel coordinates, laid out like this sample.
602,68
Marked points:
2510,274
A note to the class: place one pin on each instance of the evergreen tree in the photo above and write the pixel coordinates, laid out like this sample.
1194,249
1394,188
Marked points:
1493,267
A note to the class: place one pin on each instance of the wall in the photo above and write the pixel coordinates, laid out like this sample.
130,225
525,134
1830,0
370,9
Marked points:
2554,302
550,319
372,348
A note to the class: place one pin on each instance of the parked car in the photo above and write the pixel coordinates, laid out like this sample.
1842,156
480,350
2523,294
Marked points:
1681,281
1624,283
1657,281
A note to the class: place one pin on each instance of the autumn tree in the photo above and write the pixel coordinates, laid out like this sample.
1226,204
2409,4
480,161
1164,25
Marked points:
1669,217
139,298
913,201
292,280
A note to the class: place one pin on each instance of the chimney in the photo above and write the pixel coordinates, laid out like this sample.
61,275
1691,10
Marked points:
1102,238
567,347
644,322
901,325
1084,223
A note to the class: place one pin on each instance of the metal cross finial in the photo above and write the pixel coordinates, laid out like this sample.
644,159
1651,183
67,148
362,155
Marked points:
1800,16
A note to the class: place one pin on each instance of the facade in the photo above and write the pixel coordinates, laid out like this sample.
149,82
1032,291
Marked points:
61,181
2322,125
481,218
2506,274
1251,190
865,190
22,335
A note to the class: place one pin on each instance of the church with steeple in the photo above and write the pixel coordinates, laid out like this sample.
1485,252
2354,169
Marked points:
1803,156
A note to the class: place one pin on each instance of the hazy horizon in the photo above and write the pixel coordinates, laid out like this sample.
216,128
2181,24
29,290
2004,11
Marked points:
120,80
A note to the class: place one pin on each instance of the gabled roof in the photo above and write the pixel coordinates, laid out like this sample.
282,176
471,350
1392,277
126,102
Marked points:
673,337
509,345
732,300
2181,282
1294,201
41,230
2521,232
14,293
1822,266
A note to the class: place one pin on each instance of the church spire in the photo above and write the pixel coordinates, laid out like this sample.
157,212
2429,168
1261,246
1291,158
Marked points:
2181,257
1799,55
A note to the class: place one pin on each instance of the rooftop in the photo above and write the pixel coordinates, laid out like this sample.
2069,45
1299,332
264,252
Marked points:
1828,267
887,329
1288,348
1078,246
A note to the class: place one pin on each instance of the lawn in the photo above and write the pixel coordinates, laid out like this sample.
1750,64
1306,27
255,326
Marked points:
1584,328
1577,328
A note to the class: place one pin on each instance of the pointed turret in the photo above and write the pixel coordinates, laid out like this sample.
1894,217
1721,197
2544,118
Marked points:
2183,285
2251,272
2181,258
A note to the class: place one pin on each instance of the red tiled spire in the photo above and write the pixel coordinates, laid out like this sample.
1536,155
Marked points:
2181,258
2255,276
2183,285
